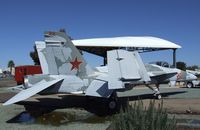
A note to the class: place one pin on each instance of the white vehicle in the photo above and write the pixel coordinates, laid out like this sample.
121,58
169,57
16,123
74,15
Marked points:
193,83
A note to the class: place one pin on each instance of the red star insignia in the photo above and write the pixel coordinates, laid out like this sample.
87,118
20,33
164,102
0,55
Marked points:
75,64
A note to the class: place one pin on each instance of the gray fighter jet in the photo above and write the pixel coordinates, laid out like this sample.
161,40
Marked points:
66,72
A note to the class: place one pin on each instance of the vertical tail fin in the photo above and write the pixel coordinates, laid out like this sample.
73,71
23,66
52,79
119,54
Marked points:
124,66
58,55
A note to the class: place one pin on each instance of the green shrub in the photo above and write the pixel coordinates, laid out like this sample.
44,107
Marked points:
139,118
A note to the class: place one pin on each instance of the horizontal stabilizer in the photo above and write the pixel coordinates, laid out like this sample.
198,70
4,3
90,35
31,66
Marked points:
24,94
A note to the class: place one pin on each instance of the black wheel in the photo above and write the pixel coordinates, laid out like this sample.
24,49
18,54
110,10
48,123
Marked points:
105,106
115,104
189,84
112,105
158,96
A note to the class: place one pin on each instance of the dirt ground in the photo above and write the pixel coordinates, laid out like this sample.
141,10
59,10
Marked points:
177,106
7,83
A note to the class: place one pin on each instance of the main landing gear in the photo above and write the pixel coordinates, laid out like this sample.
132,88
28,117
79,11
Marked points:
156,94
115,103
106,106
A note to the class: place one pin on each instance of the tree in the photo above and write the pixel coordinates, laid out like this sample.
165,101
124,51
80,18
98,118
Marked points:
193,67
11,64
181,65
34,56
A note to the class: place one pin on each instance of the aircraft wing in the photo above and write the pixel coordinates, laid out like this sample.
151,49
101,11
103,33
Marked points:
38,87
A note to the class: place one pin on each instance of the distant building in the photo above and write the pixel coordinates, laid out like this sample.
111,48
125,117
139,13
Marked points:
1,71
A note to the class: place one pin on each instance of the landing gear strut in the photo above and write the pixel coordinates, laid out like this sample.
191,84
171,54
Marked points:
158,96
156,91
105,106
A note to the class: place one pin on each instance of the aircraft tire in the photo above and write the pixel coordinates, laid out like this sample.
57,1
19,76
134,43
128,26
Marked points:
189,85
159,97
112,104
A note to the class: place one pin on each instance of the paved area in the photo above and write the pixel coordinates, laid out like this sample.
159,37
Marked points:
166,92
7,82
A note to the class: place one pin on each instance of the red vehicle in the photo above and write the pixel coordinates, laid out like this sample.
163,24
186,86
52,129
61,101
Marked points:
21,71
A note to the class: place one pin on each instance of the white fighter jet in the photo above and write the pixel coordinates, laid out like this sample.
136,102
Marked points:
180,76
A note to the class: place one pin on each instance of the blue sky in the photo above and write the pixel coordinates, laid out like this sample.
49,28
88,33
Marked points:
22,22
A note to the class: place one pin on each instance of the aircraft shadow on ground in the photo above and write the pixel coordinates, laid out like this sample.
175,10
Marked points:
93,105
21,118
